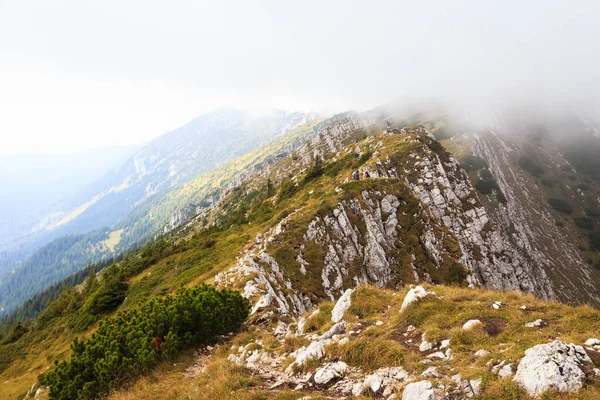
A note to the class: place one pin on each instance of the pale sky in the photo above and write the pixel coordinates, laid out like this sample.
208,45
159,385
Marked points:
82,74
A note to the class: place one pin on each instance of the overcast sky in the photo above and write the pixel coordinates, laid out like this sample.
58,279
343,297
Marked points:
79,74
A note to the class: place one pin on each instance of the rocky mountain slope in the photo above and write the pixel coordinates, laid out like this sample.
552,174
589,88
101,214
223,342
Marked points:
361,205
547,175
432,342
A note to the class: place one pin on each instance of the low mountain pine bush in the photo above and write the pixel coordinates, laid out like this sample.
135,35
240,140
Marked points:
134,341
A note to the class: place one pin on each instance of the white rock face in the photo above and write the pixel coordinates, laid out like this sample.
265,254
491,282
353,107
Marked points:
413,295
418,391
470,324
337,314
535,243
555,365
330,371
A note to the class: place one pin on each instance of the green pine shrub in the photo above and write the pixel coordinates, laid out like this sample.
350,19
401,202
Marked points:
584,223
530,166
473,163
549,183
560,205
595,239
132,342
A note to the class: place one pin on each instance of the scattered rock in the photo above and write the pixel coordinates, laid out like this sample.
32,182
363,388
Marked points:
556,366
281,329
336,329
425,345
475,386
497,305
505,371
470,324
496,368
382,378
411,328
378,323
449,354
437,354
265,301
481,353
430,372
444,344
314,350
523,308
337,314
465,388
418,391
330,371
534,324
592,342
413,295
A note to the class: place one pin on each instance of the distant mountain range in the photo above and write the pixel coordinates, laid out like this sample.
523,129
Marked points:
96,221
35,189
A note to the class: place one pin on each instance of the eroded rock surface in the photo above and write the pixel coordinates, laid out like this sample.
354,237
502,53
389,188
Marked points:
557,366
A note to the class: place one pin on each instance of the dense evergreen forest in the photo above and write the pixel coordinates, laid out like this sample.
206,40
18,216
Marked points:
30,310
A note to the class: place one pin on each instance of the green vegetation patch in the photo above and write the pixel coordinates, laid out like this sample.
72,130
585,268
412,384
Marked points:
134,341
487,185
584,223
560,205
530,166
595,239
473,163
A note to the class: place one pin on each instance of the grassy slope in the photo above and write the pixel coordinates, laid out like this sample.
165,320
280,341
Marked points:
209,252
503,335
205,256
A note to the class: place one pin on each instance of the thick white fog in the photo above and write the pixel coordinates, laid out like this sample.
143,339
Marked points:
76,74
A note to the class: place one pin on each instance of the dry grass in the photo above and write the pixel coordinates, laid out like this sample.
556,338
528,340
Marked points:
221,380
321,321
369,353
503,333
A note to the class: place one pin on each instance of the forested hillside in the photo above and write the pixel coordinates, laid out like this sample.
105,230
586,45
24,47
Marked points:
71,253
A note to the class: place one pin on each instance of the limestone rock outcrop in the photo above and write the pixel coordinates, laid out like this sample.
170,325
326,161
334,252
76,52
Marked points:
557,366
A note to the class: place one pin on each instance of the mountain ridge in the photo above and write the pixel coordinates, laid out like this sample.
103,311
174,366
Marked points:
301,230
